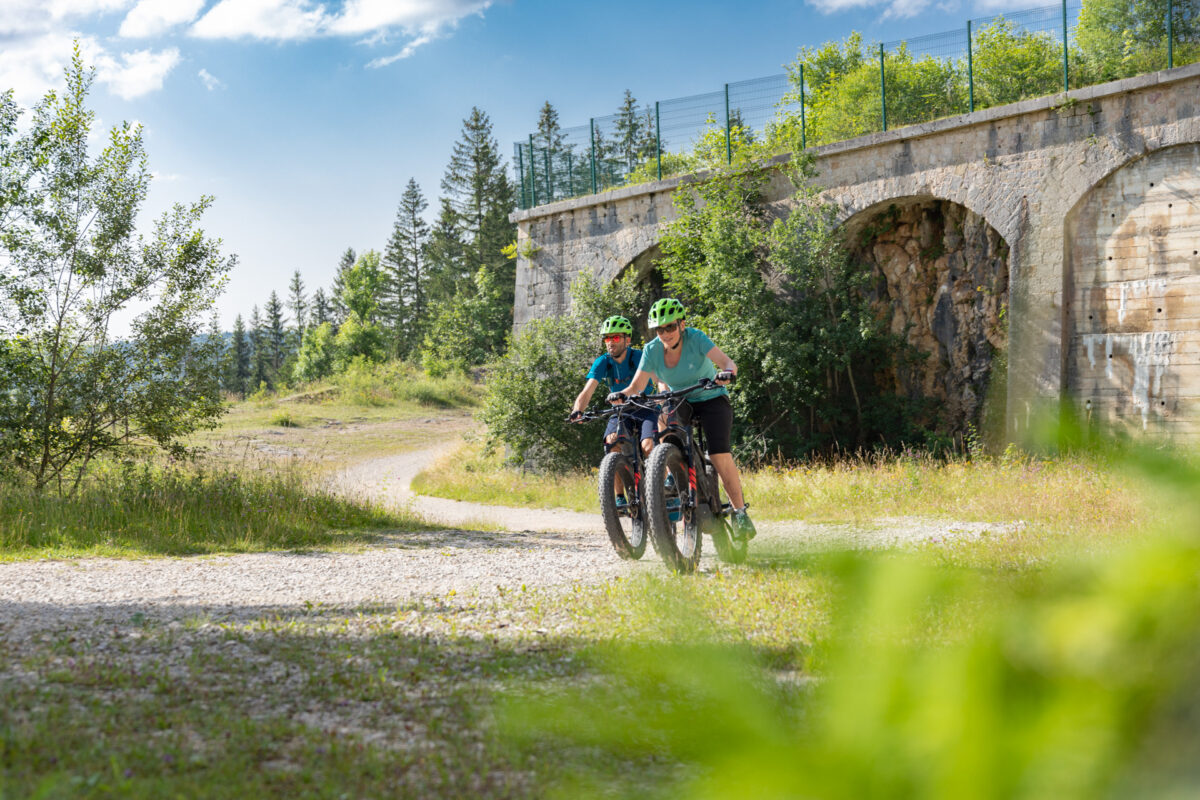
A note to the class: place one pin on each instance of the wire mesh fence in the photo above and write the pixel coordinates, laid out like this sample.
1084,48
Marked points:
847,89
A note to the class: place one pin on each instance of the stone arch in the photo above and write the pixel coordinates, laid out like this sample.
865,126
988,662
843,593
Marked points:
1131,295
942,282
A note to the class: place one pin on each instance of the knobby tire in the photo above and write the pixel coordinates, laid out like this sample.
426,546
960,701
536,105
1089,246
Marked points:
632,544
666,459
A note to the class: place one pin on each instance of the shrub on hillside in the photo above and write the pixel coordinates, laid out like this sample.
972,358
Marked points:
531,388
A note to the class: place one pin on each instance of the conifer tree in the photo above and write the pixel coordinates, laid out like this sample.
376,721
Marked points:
404,305
238,363
345,263
321,309
276,334
298,304
260,357
475,207
630,136
446,260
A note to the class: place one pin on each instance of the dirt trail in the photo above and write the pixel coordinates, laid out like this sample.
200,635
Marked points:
389,480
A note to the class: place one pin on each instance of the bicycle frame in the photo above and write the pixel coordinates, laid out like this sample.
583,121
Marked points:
689,437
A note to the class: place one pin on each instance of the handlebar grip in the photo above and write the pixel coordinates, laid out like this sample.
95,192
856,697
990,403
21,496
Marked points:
727,375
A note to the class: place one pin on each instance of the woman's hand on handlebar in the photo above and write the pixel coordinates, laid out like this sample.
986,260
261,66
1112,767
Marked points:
725,377
616,398
576,416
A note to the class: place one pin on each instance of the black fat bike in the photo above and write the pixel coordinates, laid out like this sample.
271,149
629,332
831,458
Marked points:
688,504
620,487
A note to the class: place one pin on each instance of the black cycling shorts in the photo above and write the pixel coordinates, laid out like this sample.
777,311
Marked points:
715,417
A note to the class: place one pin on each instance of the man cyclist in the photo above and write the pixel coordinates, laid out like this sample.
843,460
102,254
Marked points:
615,368
679,357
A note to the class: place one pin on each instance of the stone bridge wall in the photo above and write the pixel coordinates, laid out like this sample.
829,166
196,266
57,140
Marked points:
1096,194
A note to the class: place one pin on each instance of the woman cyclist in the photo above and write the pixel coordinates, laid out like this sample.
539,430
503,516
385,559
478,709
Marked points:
680,356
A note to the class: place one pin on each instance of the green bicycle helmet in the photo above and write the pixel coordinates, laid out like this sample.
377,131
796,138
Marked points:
616,325
666,311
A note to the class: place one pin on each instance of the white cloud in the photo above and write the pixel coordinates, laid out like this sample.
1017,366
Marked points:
33,65
414,16
420,21
408,50
20,18
136,73
262,19
211,81
151,18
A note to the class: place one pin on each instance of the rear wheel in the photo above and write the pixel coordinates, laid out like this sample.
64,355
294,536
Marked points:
730,547
677,543
625,523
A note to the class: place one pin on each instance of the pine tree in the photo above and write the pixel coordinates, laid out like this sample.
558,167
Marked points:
550,157
261,360
276,334
238,369
478,191
298,304
404,305
630,136
446,255
321,309
475,207
344,264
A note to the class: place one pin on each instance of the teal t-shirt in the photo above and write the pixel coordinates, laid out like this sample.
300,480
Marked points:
692,367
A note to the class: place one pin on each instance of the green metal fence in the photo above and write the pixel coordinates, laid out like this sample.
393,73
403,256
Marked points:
989,61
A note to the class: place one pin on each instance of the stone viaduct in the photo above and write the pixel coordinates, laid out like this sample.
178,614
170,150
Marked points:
1084,210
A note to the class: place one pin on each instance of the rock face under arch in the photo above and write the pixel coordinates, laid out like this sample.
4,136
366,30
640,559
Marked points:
943,283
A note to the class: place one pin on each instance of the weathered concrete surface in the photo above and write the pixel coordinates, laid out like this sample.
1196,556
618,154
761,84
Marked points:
1041,173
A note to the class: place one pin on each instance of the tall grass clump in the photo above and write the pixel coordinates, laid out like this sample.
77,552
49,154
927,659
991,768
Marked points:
152,510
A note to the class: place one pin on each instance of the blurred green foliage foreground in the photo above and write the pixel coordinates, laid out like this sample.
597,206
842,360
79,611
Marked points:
1075,678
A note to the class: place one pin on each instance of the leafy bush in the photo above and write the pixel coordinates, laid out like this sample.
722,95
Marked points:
782,298
531,389
318,353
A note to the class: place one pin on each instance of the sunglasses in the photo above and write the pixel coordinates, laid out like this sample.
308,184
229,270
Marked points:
674,326
614,337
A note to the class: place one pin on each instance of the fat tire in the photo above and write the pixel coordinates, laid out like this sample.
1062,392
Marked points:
665,459
616,466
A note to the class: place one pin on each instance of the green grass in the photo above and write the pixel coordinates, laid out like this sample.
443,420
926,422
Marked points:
176,511
1073,493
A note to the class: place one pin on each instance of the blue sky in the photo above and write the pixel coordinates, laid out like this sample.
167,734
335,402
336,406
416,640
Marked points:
306,119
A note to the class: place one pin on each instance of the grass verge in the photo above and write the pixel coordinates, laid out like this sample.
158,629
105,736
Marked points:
172,511
1072,493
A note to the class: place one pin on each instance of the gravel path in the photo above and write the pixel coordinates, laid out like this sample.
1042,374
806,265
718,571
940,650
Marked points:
538,549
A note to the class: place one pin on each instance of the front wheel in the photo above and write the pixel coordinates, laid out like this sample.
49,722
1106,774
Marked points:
625,522
677,543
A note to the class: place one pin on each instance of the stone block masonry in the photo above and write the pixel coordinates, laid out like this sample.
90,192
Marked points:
1094,194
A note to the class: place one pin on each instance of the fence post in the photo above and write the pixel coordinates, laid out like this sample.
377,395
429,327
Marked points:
532,171
570,175
1066,73
803,124
658,139
1170,34
970,72
521,170
592,129
549,179
728,145
883,86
